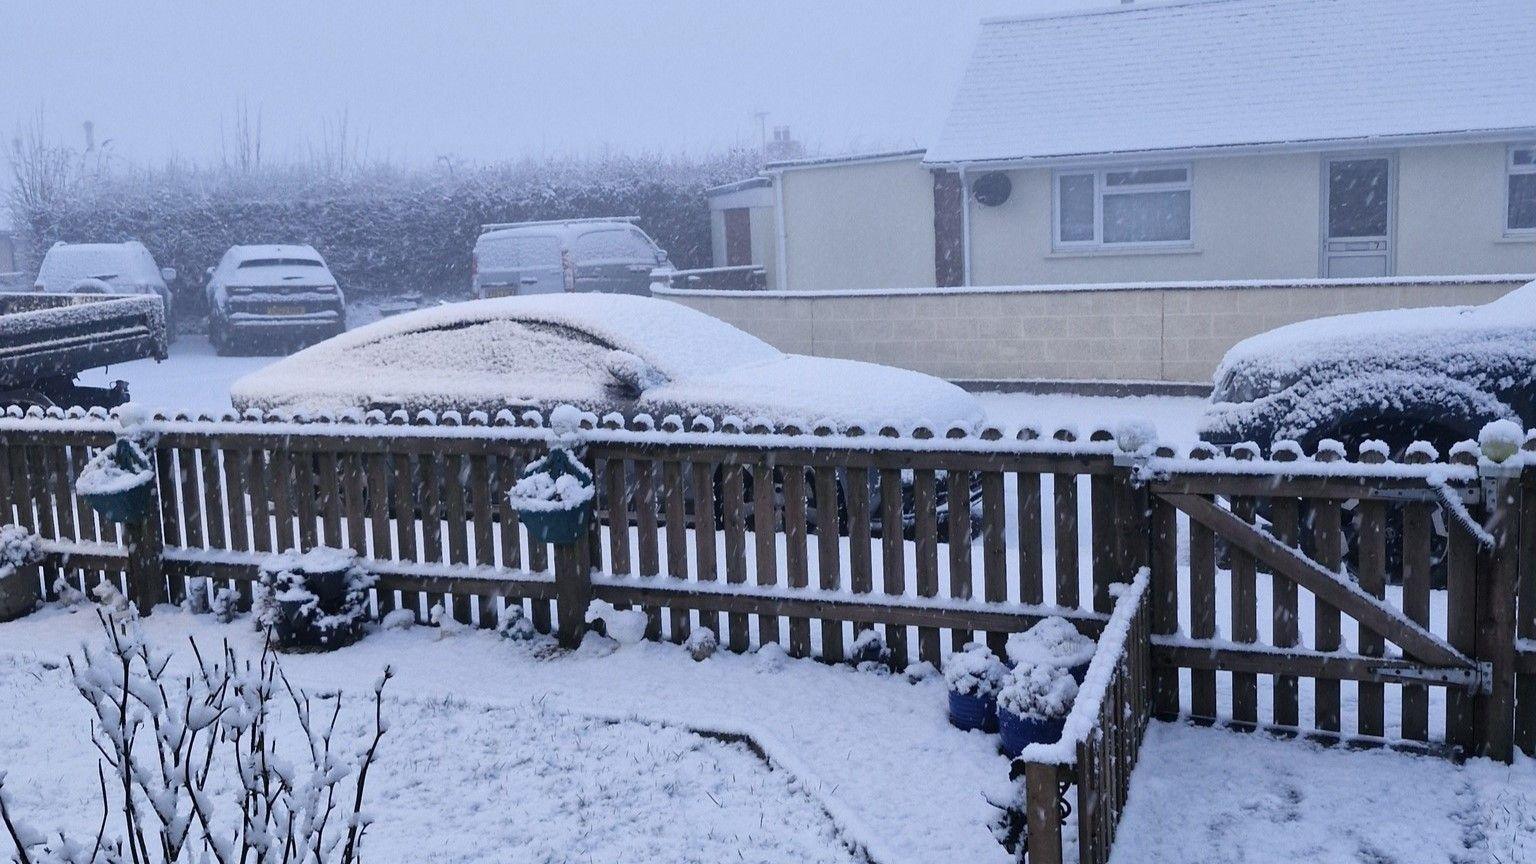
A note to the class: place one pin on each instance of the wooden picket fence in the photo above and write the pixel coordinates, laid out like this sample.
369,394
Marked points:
807,536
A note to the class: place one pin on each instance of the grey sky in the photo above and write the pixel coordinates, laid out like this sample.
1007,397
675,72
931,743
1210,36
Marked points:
488,80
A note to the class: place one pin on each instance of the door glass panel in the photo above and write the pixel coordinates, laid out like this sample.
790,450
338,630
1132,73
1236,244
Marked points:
1076,206
1357,198
1146,217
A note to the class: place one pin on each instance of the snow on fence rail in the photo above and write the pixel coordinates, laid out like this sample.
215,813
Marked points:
720,523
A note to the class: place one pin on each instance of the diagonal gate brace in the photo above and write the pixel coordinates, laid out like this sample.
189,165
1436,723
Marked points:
1415,640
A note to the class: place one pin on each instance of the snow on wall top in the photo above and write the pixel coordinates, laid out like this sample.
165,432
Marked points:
1241,72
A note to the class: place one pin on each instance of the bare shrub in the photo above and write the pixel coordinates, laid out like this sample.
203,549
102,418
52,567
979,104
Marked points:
190,768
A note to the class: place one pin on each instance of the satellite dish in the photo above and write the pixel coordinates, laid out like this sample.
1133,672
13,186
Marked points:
992,188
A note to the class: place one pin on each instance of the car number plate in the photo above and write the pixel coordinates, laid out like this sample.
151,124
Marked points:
285,310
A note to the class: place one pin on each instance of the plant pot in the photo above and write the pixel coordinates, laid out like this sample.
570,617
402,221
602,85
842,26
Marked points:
128,506
967,712
295,627
1079,672
1018,732
18,594
556,526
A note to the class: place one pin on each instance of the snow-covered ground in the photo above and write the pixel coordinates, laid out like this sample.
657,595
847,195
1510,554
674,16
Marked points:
498,751
195,379
1213,795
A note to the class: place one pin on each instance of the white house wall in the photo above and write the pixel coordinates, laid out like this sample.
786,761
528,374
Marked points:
1451,214
858,225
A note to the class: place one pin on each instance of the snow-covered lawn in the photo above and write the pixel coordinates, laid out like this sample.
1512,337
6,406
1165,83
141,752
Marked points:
1212,795
499,751
195,379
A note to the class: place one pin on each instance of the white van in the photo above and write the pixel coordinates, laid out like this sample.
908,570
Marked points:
608,255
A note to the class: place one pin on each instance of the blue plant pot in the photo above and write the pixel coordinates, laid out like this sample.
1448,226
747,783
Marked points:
967,712
1020,732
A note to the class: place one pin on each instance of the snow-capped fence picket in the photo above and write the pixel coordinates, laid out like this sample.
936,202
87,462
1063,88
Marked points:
808,534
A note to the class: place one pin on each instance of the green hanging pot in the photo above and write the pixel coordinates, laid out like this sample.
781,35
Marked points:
539,505
129,504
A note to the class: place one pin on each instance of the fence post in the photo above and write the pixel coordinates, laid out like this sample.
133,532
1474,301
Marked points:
1493,708
1525,611
1041,815
573,590
146,548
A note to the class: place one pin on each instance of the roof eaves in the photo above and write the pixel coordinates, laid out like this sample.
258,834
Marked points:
816,162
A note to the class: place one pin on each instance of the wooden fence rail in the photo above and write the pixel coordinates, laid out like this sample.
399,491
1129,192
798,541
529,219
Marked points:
1344,598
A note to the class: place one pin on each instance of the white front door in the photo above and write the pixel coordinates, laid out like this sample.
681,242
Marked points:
1358,214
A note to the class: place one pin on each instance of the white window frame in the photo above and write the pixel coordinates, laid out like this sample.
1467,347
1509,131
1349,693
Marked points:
1099,187
1511,170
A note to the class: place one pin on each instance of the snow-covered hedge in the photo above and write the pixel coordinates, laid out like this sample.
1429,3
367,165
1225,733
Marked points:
380,230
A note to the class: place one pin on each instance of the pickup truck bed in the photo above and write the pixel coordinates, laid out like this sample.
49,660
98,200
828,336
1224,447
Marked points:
48,339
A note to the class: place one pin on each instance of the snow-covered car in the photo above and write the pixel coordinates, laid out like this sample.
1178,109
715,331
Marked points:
271,297
106,268
1436,374
602,353
605,256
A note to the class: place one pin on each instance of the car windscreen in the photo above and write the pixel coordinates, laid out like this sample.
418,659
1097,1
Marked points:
519,351
279,262
517,253
613,244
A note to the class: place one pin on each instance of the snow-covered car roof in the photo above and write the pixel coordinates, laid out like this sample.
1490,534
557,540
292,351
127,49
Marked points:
1389,331
520,350
249,253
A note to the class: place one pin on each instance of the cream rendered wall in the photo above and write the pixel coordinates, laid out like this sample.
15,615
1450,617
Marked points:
858,225
1451,209
1260,217
1253,217
765,243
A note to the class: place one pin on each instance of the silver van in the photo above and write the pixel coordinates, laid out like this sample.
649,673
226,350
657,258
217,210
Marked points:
609,256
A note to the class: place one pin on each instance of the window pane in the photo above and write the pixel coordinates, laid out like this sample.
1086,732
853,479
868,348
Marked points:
1146,175
1522,202
1146,217
1357,198
612,245
514,252
1076,208
1525,157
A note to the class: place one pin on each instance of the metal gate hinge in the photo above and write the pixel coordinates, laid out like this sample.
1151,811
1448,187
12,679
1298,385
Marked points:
1472,679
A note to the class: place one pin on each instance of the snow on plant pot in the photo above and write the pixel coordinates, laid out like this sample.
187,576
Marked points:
317,600
1032,706
1053,642
974,676
553,497
118,482
18,592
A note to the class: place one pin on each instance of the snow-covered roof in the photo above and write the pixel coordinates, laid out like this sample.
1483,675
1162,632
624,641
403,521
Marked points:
1242,73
